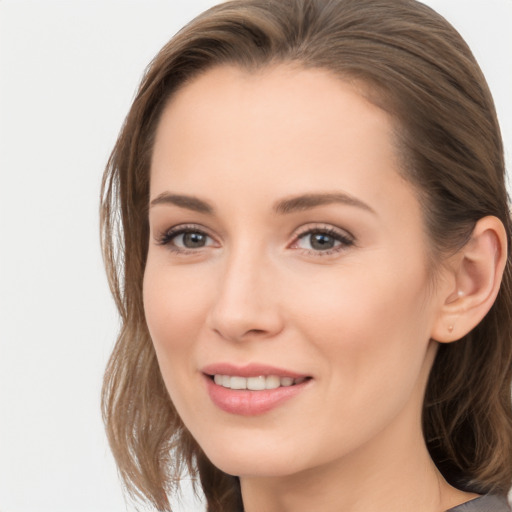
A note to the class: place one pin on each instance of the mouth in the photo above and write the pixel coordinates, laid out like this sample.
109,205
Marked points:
258,383
254,389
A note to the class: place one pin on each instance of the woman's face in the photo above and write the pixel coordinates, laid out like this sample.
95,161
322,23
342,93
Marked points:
286,248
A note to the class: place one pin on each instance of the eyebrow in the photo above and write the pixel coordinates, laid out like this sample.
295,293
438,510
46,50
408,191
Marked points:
183,201
282,207
308,201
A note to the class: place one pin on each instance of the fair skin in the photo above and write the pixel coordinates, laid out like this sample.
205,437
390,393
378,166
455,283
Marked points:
335,287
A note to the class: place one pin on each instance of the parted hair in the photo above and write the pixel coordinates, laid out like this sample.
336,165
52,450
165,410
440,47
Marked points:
414,65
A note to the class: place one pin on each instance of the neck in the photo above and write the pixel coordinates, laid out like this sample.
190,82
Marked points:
361,483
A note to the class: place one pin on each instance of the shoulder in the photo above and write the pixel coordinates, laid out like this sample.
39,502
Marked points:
487,503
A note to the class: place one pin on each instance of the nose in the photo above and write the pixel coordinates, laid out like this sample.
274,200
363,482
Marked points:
245,306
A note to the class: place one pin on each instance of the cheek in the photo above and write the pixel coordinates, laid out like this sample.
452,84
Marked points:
369,322
175,310
369,333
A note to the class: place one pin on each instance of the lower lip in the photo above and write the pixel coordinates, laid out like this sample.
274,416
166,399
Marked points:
251,403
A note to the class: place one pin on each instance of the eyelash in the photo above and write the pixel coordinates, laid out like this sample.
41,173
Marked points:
168,236
345,240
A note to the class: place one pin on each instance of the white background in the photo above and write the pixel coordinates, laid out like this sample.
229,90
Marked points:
68,72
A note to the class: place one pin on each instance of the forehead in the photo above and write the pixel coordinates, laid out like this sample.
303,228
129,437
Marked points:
249,118
255,137
270,94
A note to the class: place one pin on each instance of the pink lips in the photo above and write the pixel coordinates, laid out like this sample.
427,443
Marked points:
250,370
248,402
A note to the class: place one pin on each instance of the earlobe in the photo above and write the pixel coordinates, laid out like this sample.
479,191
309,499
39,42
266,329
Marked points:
477,272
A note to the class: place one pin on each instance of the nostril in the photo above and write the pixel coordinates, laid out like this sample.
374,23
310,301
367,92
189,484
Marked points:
256,331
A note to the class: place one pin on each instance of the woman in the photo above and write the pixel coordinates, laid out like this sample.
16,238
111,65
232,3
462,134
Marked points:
312,274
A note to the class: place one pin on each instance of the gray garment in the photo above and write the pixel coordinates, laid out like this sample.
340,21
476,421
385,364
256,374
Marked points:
487,503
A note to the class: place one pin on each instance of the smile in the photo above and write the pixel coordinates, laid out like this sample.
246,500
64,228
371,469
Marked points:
253,394
259,383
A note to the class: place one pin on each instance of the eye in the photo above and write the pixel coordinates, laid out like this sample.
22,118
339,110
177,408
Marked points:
185,239
323,240
190,240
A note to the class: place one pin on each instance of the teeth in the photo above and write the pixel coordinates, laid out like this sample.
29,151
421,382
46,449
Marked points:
255,383
238,383
286,381
272,382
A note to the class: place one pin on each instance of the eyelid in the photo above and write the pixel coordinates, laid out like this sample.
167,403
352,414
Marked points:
166,236
323,227
342,235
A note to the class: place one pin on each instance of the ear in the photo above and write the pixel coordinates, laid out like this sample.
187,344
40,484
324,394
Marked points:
474,279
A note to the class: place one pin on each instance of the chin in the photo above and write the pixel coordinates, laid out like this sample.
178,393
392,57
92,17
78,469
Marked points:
255,468
252,459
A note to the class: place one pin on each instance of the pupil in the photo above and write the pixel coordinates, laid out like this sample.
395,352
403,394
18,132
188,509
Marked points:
193,240
322,242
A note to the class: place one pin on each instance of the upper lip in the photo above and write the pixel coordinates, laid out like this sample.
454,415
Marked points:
249,370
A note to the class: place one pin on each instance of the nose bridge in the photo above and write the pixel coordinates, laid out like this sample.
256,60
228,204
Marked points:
245,303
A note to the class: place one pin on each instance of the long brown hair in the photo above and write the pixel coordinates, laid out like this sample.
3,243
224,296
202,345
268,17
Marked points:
415,66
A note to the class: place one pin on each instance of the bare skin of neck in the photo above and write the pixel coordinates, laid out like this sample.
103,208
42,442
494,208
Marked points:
392,472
